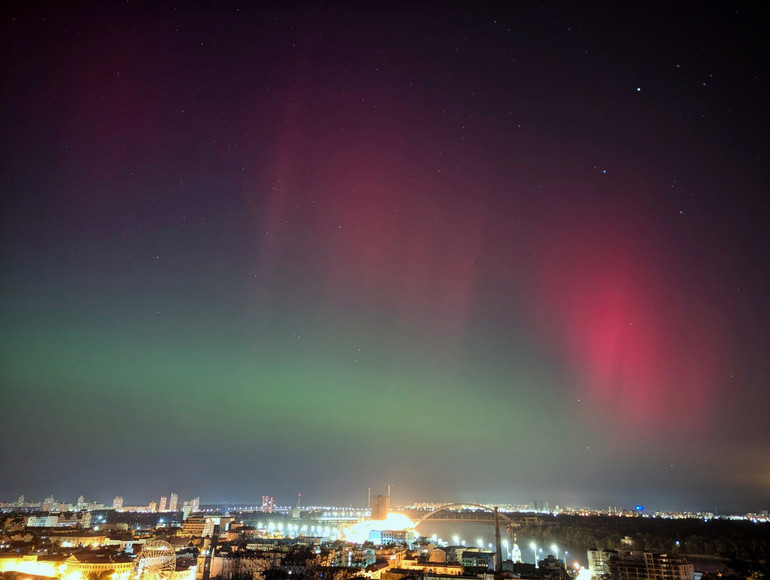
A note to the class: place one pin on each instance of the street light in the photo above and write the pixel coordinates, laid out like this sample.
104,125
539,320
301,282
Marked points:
534,549
565,559
555,548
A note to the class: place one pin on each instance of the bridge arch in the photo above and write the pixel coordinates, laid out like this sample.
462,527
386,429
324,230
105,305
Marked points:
448,506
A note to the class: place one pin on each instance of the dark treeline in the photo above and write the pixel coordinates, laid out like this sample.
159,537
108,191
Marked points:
740,544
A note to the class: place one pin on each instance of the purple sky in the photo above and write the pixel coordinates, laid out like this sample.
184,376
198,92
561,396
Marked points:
486,252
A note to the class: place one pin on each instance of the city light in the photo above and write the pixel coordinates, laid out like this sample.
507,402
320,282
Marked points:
360,531
534,549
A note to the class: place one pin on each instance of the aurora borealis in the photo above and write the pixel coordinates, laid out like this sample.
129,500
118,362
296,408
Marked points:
482,252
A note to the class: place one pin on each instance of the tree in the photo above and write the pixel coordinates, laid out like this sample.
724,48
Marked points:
103,575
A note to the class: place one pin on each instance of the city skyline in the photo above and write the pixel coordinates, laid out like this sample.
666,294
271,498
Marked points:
269,505
480,251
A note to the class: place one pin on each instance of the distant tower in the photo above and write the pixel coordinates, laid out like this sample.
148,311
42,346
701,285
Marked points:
162,505
295,511
153,506
498,547
267,504
195,504
172,505
117,503
81,499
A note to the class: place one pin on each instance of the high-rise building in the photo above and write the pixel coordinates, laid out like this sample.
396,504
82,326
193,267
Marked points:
195,504
268,503
539,506
638,565
162,506
49,503
172,505
81,501
117,503
153,506
380,507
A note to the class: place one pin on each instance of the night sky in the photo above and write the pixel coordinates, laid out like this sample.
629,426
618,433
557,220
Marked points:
492,253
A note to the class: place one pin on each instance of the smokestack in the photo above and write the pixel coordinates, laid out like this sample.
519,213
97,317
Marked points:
498,547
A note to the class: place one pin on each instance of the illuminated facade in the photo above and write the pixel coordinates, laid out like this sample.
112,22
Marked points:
203,527
386,537
47,521
120,567
173,502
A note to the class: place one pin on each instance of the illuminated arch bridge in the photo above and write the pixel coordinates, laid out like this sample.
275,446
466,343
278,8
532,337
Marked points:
460,516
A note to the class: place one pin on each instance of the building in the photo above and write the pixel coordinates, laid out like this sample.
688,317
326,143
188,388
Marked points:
387,537
86,564
81,519
239,565
173,502
46,521
268,503
203,526
539,506
443,569
638,565
117,503
475,558
162,505
380,507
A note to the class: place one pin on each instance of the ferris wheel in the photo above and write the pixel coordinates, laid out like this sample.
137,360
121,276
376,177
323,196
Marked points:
156,561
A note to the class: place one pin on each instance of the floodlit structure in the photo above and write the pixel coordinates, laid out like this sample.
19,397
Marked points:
156,561
392,529
82,566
